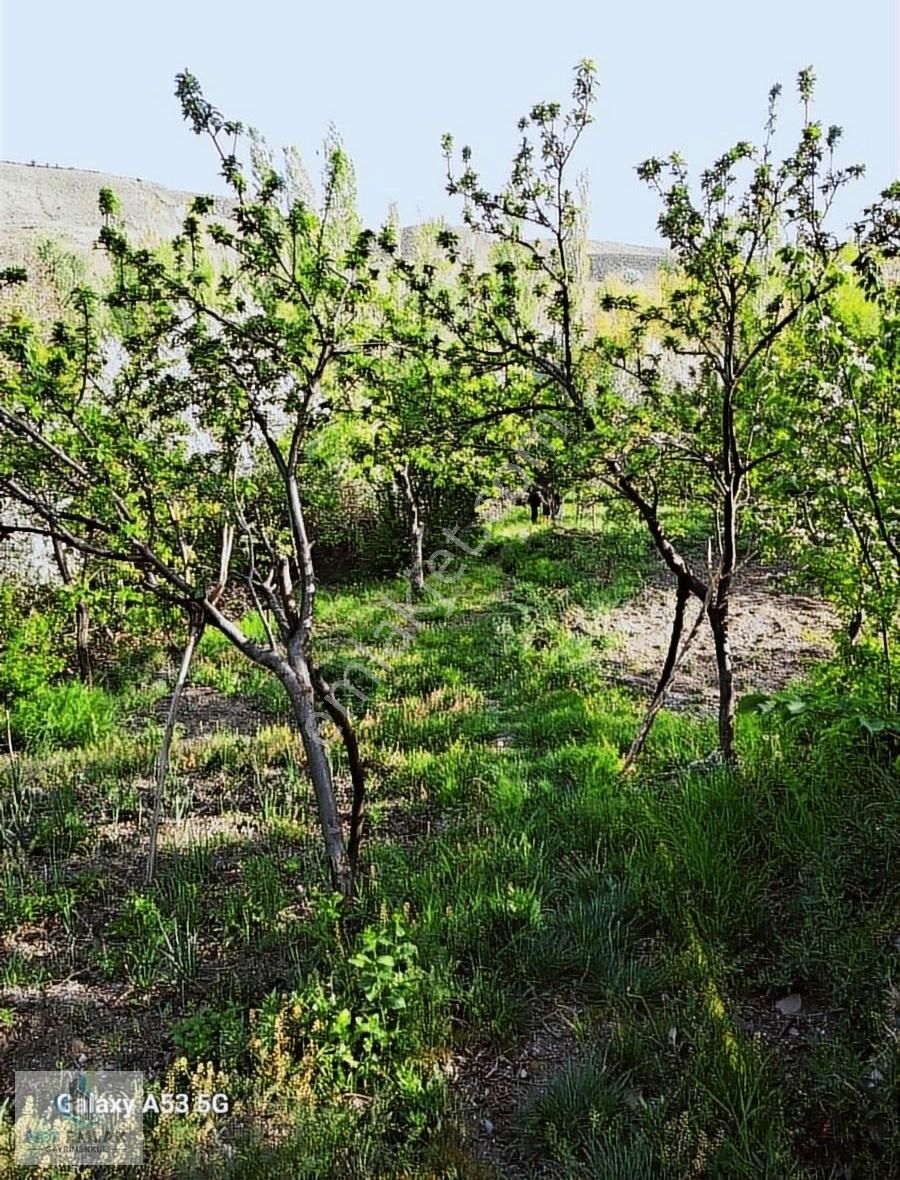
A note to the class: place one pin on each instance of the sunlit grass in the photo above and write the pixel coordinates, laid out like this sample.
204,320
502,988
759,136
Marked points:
508,858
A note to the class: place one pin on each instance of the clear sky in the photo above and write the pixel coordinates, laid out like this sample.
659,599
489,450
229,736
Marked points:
89,83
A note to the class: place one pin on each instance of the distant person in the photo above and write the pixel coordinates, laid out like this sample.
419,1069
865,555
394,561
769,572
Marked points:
535,502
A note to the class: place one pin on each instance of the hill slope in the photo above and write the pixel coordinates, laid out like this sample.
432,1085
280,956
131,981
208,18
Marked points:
39,202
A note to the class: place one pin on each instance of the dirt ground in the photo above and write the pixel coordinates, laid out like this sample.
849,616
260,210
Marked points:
494,1087
203,710
775,637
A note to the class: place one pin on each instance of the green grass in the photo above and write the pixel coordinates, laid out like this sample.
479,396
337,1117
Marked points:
508,862
61,716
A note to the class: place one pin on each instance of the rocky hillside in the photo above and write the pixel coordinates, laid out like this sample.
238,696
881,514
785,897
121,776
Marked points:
38,202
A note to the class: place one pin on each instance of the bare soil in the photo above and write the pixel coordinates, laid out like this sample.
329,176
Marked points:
776,636
204,710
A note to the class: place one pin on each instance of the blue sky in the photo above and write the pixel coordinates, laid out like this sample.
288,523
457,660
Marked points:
88,83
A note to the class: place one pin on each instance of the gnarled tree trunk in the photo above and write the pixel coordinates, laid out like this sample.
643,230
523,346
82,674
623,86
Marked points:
297,680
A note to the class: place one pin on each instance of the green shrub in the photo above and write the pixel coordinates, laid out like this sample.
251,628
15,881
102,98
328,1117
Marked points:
212,1034
30,654
63,716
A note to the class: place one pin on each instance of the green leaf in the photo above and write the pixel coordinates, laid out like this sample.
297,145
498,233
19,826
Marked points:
753,702
873,725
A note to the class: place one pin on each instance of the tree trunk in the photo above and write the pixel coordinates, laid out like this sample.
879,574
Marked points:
718,610
82,617
296,673
291,662
716,603
341,718
682,595
198,617
83,642
162,762
416,526
298,682
718,619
